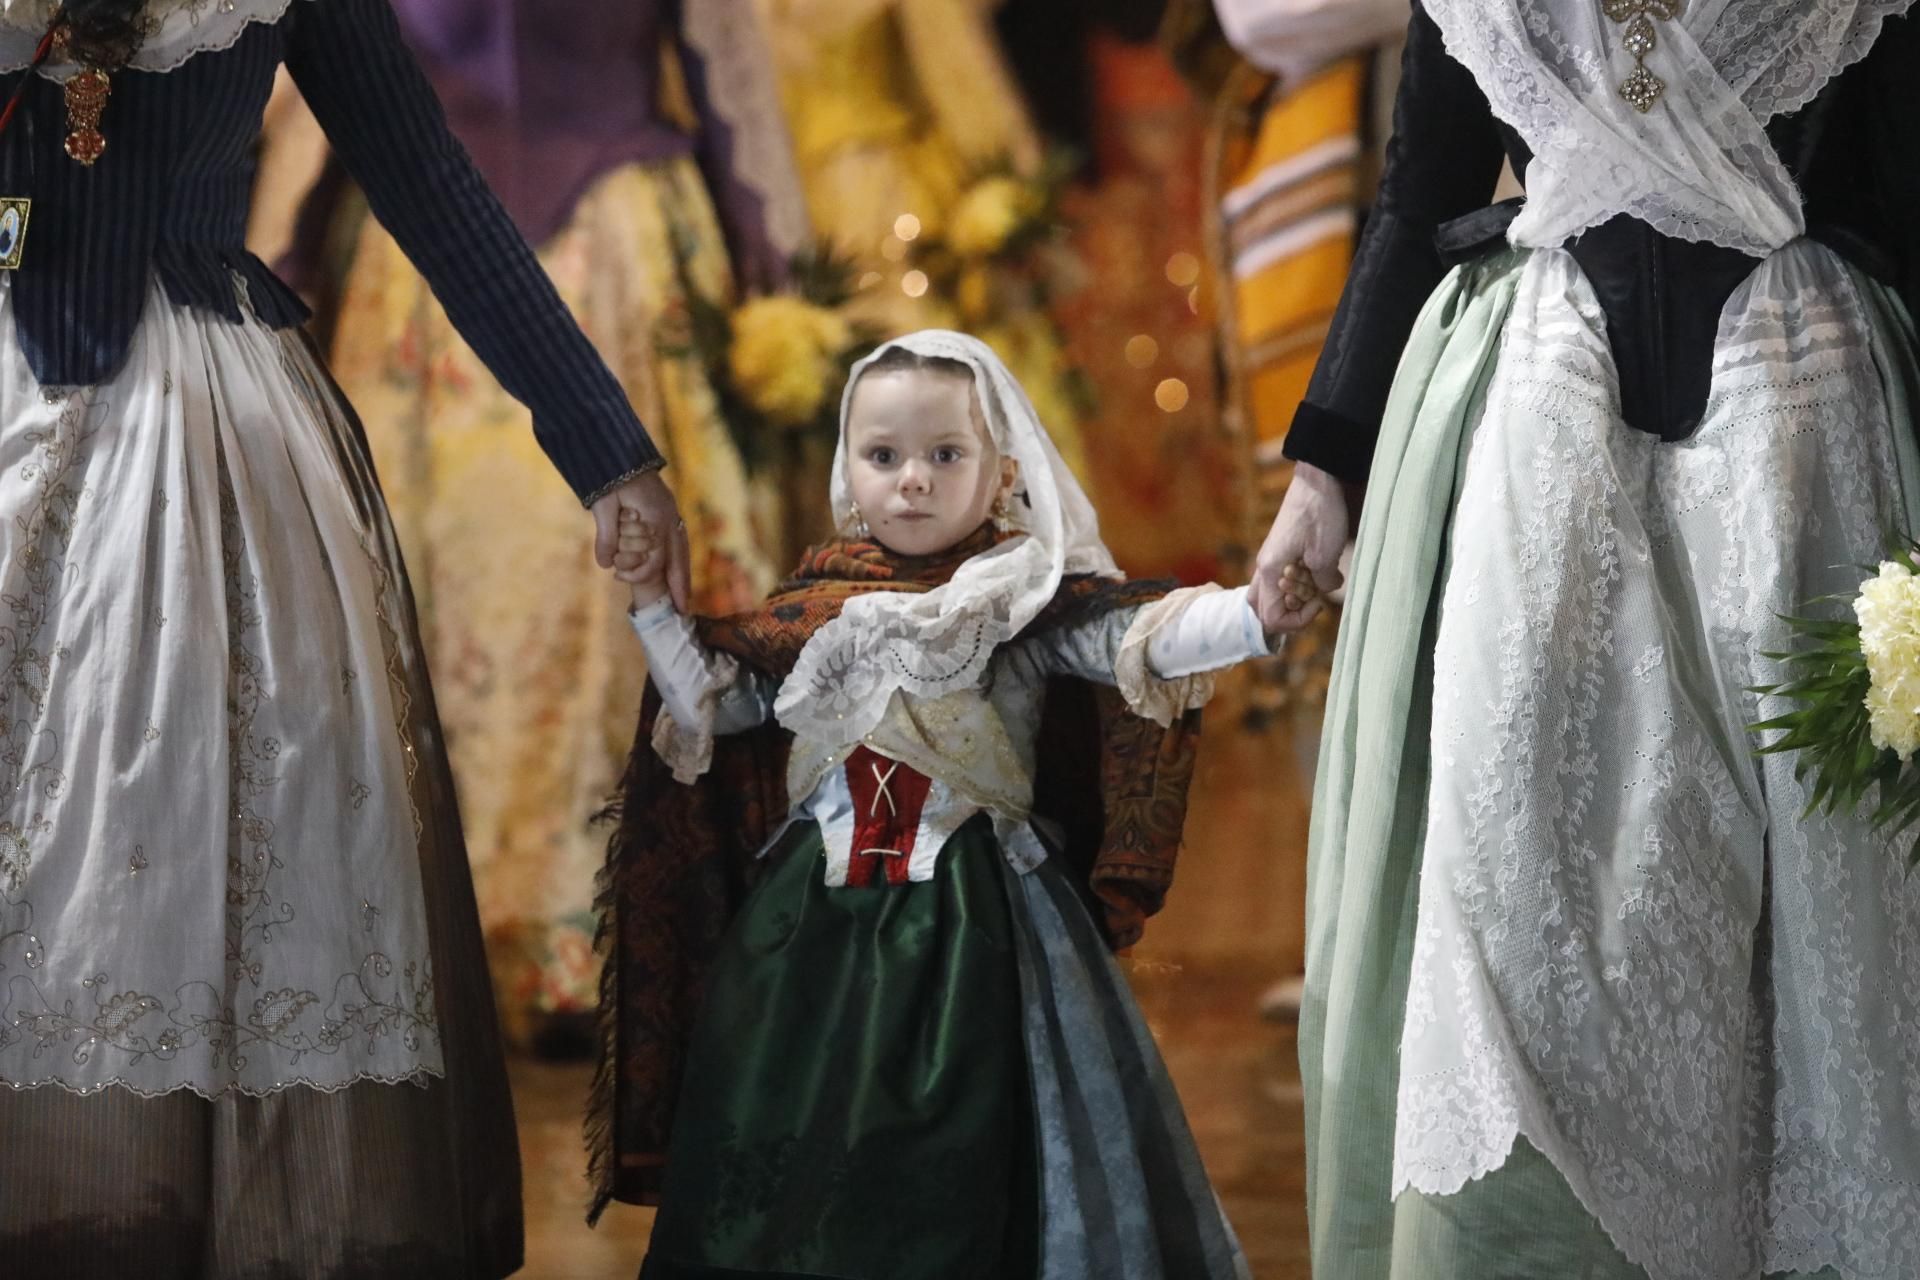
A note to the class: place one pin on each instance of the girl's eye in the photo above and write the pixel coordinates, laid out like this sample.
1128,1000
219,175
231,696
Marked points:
946,454
880,457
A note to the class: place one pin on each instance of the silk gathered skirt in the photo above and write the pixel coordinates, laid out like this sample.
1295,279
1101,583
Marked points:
1588,994
245,1026
928,1080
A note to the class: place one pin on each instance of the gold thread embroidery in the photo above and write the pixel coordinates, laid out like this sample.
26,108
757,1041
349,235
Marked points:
364,1006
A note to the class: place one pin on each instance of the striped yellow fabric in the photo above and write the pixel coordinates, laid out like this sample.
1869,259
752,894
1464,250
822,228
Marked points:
1289,195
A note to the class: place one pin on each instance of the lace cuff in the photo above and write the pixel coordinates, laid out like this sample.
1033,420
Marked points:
691,680
687,750
1193,632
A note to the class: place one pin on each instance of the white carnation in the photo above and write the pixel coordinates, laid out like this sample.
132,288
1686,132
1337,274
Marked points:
1889,612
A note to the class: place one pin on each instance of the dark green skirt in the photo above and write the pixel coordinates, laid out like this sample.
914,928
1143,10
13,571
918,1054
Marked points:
857,1103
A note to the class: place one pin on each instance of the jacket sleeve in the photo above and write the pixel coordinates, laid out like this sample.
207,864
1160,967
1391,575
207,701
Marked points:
1442,163
382,117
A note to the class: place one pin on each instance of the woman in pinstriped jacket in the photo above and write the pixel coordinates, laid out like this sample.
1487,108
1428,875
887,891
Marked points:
245,1024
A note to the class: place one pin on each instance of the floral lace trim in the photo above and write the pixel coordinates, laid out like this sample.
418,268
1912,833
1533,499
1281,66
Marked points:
1584,952
1159,700
1700,167
1780,80
419,1077
182,29
688,749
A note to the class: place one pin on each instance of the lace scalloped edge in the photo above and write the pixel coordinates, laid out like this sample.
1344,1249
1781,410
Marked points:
270,11
686,750
419,1076
1644,1254
1641,1254
810,672
1853,53
762,161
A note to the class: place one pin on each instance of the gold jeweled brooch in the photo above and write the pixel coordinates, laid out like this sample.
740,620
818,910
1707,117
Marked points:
86,93
1642,89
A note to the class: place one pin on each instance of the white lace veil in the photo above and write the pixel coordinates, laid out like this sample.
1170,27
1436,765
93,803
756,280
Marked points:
179,29
940,641
1698,164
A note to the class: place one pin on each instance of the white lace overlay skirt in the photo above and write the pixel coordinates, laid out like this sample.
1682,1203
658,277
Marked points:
208,825
1632,949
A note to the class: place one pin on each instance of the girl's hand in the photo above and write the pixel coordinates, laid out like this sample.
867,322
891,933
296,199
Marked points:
1299,565
640,559
646,498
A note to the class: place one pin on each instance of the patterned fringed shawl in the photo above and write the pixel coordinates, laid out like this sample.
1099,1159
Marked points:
682,857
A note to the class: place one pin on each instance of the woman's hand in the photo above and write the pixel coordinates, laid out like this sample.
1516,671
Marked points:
1299,564
647,501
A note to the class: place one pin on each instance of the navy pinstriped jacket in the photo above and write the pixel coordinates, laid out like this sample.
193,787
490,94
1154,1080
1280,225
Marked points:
170,199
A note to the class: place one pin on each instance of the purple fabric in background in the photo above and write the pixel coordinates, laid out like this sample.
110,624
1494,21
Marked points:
548,95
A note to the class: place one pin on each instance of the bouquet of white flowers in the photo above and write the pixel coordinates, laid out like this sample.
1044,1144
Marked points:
1856,688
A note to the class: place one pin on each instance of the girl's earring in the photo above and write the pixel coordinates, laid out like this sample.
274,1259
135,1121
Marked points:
1002,514
860,529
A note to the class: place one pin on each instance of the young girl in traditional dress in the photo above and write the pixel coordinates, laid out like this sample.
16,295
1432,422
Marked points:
877,840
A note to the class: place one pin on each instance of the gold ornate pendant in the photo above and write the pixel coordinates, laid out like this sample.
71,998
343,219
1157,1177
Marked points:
1642,89
86,98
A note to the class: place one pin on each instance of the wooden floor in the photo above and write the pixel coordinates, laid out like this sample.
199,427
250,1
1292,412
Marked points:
1232,927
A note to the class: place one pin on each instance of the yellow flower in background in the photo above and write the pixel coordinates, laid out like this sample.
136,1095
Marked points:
1889,613
785,356
988,214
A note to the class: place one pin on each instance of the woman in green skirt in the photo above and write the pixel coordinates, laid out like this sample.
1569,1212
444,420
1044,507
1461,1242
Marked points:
1589,993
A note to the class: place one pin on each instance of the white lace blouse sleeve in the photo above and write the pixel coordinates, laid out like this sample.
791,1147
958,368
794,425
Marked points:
703,694
1161,656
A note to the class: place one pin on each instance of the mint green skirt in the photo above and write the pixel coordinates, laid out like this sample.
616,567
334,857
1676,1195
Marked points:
1521,1221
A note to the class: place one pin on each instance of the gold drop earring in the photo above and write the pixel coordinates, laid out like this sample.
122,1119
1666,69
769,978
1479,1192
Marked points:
859,521
1002,514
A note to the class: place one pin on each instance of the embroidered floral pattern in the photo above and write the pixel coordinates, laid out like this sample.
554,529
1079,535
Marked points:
364,1007
29,752
1633,949
266,994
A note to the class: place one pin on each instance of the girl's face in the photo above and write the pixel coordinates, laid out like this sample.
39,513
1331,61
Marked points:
921,465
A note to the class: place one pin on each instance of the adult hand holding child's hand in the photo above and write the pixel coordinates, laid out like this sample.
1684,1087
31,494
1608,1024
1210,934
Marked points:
640,559
645,500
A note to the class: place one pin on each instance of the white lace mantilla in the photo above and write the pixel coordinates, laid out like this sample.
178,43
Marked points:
1632,949
934,643
180,29
1698,165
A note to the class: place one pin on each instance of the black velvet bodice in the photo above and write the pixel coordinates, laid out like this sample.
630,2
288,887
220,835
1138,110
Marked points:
1854,150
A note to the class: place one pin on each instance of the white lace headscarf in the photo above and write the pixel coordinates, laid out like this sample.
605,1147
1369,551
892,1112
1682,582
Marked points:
1698,164
940,641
